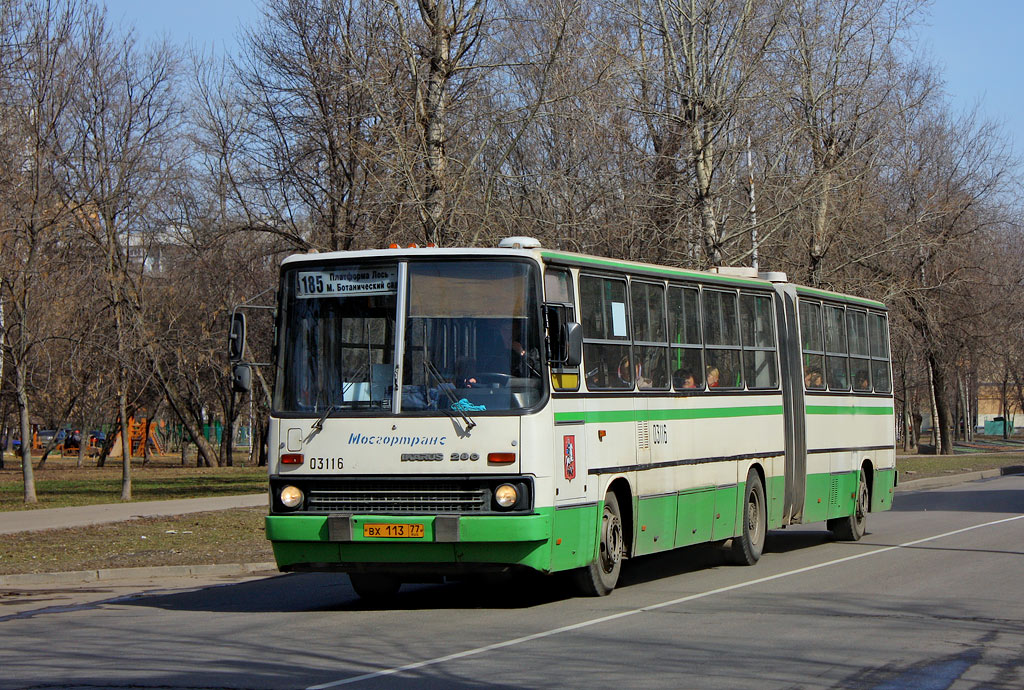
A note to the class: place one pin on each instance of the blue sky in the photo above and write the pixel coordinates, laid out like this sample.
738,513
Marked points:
975,43
977,48
207,22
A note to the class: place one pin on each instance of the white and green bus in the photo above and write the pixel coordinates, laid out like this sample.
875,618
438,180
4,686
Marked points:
442,412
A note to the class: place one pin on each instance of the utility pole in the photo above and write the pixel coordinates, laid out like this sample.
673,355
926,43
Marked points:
753,208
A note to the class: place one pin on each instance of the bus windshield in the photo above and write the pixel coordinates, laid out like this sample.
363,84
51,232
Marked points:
473,339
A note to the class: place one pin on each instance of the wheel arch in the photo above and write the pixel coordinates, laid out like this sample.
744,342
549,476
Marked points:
867,469
759,468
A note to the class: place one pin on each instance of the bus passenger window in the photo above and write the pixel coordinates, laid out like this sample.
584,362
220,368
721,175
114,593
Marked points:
835,349
687,357
605,319
860,364
721,340
879,338
814,352
758,327
650,342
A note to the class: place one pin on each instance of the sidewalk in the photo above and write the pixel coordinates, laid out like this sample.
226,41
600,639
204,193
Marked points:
13,521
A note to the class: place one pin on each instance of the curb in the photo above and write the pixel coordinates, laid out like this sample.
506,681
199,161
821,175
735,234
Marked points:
954,479
77,577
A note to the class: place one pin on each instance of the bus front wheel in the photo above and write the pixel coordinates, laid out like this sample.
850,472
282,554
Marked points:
600,577
748,545
852,527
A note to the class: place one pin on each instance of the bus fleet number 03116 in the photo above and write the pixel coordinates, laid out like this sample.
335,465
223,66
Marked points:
326,464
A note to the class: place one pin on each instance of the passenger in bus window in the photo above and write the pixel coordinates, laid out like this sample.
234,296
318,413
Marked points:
684,379
813,379
712,376
652,373
625,372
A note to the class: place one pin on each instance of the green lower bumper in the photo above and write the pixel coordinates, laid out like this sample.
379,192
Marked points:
306,541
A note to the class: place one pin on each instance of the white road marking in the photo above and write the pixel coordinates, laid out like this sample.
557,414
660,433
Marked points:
652,607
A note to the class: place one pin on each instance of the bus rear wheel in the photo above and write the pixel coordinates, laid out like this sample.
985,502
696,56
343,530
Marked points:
852,527
600,577
374,587
748,545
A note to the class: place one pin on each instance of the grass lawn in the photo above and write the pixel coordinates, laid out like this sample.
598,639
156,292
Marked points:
223,536
923,466
60,483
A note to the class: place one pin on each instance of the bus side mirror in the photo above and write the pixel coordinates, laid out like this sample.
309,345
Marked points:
236,337
241,378
574,344
565,338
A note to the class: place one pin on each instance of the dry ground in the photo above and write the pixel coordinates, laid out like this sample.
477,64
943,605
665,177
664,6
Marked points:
226,536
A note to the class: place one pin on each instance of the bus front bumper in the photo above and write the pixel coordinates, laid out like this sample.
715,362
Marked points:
436,528
350,542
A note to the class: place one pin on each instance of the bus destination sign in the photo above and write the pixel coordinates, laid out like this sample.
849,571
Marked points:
342,282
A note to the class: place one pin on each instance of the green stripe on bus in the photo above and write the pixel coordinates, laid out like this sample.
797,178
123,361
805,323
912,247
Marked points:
801,290
848,409
662,270
608,416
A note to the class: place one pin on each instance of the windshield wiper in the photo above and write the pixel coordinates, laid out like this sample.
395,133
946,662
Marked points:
319,423
447,387
332,407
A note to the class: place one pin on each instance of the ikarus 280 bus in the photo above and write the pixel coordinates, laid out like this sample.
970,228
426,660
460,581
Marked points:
441,412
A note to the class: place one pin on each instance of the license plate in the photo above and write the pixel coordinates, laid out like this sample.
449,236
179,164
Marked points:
390,530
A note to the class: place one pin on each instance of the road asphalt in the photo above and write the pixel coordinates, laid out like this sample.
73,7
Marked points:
12,522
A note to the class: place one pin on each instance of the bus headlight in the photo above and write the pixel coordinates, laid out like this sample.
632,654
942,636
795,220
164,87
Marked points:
291,496
506,495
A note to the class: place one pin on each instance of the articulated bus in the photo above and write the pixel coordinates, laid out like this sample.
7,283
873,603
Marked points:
444,412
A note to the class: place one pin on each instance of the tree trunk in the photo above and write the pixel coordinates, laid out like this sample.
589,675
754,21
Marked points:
227,440
126,445
149,430
83,440
819,232
433,110
26,438
703,168
943,423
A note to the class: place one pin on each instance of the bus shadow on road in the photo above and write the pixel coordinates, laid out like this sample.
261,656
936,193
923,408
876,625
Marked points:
310,592
699,557
971,501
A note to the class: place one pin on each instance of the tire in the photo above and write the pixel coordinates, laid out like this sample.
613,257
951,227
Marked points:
374,587
748,545
600,577
852,527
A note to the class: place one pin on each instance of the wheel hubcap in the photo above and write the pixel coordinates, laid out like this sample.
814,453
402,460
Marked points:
754,526
611,542
862,503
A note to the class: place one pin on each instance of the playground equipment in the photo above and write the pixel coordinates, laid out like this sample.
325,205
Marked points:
136,439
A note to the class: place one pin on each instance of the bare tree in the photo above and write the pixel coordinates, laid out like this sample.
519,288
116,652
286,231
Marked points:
697,62
844,74
41,82
127,112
